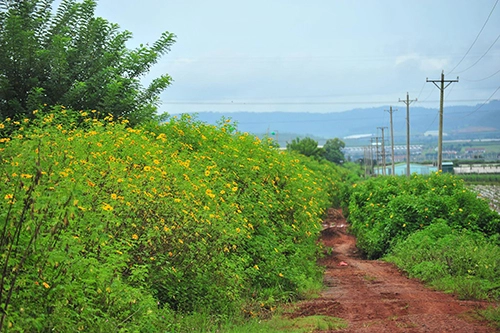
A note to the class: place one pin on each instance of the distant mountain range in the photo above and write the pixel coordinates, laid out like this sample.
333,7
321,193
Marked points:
459,121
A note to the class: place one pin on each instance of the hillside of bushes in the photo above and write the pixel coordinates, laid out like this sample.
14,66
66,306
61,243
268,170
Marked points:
113,228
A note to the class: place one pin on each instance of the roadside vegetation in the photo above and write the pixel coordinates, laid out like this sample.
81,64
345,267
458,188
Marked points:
435,229
110,227
115,219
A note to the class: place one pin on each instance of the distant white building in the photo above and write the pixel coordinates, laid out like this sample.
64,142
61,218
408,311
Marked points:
357,136
434,133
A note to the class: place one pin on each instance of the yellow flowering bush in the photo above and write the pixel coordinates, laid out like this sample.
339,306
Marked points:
104,225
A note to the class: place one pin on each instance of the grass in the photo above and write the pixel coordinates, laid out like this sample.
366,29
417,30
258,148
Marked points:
492,314
481,179
283,324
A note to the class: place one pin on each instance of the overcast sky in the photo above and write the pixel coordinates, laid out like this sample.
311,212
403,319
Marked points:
316,55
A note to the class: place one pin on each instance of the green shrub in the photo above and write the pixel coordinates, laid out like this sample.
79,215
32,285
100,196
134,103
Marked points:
117,228
462,262
386,210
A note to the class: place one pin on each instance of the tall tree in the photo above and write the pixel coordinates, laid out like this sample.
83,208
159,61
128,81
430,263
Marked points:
307,147
72,58
333,150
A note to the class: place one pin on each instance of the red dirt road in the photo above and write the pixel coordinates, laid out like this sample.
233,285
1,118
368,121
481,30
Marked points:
374,296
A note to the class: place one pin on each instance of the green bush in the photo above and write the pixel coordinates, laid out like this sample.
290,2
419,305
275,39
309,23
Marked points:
386,210
117,228
463,262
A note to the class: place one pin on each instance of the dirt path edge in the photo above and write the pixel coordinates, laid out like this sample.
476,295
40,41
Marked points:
374,296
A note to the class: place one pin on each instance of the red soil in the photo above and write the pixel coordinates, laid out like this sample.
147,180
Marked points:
374,296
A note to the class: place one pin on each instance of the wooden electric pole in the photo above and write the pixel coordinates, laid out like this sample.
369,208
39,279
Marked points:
371,155
408,102
383,150
441,88
392,140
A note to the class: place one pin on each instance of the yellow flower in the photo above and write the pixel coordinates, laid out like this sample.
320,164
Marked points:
280,275
134,236
147,168
256,267
9,196
107,207
114,196
46,285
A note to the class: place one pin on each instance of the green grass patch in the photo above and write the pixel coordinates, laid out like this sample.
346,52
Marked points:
492,314
481,179
284,324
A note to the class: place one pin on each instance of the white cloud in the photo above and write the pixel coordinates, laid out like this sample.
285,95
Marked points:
424,63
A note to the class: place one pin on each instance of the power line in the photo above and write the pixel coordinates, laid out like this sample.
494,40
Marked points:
485,78
437,113
479,107
425,99
336,120
475,40
449,93
422,89
301,103
480,57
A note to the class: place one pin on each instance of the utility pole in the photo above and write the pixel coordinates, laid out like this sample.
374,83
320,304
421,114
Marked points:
371,155
383,150
442,87
377,155
408,102
392,140
365,154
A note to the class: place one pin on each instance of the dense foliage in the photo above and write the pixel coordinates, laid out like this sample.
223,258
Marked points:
333,150
386,210
114,228
73,58
307,147
459,261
